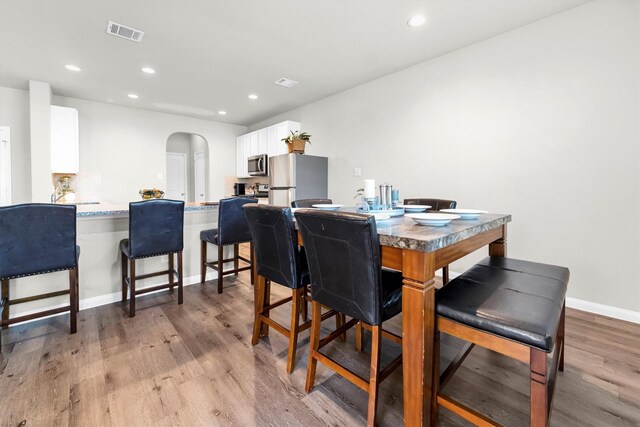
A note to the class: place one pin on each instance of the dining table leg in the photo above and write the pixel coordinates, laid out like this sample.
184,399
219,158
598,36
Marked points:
418,334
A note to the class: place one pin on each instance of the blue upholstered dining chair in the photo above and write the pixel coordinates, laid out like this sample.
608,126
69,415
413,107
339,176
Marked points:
37,238
233,229
156,228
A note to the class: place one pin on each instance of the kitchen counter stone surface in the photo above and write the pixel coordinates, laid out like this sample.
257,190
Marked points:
107,209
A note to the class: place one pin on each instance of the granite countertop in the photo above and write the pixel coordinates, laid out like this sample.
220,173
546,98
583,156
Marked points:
108,209
403,232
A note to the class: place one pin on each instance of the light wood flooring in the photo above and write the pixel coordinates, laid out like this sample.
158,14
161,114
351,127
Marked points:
194,365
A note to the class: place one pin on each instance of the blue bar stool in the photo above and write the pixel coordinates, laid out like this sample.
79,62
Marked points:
155,228
233,229
38,238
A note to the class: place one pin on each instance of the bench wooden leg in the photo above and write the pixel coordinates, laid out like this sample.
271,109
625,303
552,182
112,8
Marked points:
539,399
77,288
445,274
560,340
203,260
220,266
132,287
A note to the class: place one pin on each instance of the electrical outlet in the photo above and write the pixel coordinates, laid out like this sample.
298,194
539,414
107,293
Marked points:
160,175
357,171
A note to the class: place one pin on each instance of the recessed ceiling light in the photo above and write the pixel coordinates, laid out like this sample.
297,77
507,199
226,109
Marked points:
132,96
222,113
148,70
416,21
72,67
253,96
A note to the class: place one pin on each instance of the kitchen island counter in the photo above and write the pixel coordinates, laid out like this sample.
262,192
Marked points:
114,210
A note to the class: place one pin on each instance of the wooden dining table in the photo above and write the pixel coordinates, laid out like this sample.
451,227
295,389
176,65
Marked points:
418,251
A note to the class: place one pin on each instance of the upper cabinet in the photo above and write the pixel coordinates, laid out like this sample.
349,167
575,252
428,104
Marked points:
65,154
263,141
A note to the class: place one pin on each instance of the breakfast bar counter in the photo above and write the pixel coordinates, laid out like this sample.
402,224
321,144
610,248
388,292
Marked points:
100,228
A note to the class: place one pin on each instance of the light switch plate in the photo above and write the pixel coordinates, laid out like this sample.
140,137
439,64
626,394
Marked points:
357,172
160,175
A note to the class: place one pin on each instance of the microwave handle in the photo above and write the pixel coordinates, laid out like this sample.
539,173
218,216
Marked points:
260,161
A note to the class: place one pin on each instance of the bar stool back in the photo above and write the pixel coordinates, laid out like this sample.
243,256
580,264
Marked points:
155,228
38,238
278,260
308,203
344,259
233,229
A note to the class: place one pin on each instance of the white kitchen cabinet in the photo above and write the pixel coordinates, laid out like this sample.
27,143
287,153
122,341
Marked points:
65,153
262,141
242,152
266,140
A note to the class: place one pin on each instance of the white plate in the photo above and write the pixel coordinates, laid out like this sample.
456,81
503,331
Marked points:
327,207
414,208
381,217
465,213
432,219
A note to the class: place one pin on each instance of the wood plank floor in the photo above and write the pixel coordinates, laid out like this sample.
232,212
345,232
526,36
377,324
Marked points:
194,365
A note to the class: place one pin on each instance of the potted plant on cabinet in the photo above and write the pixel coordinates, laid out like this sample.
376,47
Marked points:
296,141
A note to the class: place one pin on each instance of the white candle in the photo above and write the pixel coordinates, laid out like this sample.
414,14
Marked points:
369,188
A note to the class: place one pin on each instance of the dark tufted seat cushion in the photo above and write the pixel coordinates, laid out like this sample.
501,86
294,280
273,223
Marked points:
518,300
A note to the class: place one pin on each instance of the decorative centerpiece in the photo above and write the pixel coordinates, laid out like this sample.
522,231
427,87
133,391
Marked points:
296,141
153,193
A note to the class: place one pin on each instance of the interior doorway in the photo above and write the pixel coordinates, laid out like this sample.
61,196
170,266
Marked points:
187,167
5,166
177,186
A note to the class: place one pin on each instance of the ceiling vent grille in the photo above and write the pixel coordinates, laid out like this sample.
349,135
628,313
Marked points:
124,32
285,82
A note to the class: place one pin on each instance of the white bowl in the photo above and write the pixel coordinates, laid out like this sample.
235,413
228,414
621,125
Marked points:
465,213
432,219
414,208
327,207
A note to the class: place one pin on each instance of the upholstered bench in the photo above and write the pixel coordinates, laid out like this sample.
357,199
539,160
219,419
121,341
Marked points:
515,308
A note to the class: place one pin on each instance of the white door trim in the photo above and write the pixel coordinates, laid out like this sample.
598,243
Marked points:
204,177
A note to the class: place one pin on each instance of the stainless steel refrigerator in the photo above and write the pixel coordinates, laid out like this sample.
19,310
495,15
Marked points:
297,176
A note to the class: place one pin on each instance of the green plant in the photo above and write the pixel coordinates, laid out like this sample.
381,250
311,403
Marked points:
297,135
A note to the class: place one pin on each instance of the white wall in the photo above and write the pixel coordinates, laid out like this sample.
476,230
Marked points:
14,113
541,122
127,146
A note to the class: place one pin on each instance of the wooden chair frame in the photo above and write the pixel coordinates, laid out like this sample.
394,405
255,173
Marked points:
129,280
74,303
219,266
298,298
542,373
376,376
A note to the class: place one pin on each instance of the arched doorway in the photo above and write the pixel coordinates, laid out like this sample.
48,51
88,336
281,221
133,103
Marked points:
187,167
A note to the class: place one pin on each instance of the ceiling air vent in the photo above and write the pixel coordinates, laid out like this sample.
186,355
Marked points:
124,32
285,82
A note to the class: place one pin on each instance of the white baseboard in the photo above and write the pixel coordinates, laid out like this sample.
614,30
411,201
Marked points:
604,310
108,298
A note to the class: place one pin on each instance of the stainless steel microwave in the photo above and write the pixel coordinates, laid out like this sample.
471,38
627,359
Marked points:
258,165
